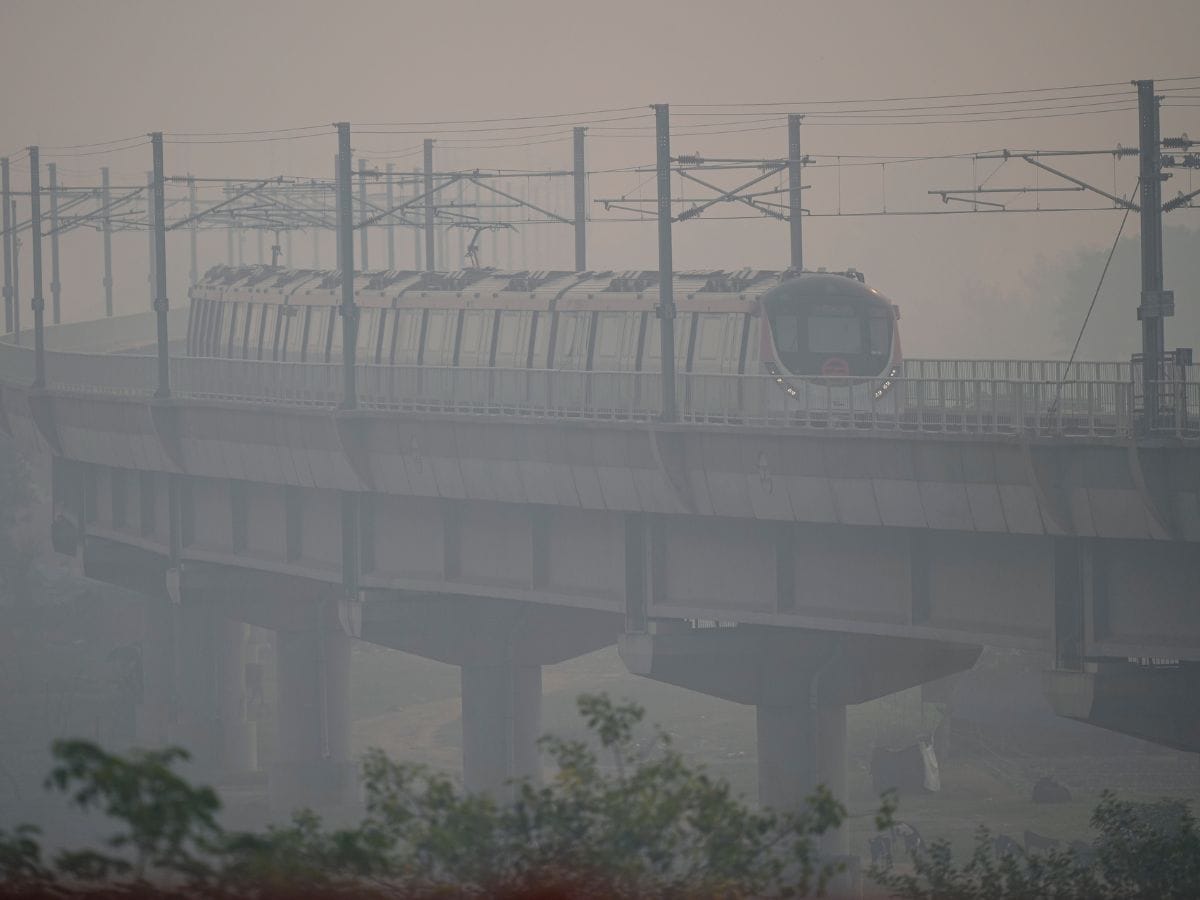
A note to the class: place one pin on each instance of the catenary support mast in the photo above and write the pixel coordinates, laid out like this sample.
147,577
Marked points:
666,301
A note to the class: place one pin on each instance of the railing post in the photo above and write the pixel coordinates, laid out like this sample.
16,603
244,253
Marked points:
666,299
345,236
160,266
38,303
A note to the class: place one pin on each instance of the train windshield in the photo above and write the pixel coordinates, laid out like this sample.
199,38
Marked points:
808,334
834,329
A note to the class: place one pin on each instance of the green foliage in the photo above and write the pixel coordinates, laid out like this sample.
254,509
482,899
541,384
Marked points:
169,825
1142,851
618,819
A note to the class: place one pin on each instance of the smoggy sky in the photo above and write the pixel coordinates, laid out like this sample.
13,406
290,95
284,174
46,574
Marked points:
73,72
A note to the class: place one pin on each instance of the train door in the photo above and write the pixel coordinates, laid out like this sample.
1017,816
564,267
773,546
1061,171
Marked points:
715,354
614,358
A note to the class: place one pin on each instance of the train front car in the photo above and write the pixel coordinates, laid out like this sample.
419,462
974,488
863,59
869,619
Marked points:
832,345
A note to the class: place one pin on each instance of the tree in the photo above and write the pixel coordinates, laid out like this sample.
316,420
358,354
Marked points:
614,821
1143,850
1066,287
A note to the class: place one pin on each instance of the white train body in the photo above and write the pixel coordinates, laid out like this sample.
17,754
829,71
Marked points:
824,341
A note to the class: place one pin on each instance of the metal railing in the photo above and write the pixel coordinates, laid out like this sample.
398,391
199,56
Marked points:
1097,407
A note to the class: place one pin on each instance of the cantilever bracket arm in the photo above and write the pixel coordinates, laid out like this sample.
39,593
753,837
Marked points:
1120,201
733,194
411,201
212,209
545,212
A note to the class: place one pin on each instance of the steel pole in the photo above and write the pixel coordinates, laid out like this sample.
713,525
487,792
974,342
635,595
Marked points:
362,214
38,303
1155,302
7,240
160,266
430,255
337,213
229,235
16,275
391,225
193,270
580,177
55,293
795,210
666,298
345,237
416,232
150,276
106,231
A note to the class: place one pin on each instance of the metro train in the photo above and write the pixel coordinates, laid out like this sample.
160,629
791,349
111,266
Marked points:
795,327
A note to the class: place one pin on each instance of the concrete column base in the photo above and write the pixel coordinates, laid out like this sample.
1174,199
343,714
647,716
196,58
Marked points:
799,748
312,765
210,708
502,721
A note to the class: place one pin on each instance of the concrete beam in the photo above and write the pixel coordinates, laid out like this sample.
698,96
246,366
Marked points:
483,631
770,665
1159,703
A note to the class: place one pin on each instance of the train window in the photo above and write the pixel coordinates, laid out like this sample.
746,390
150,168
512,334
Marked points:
377,346
439,337
753,340
718,342
652,346
879,333
539,352
831,329
368,333
318,334
512,339
233,329
261,331
275,335
243,348
571,341
305,318
406,337
193,309
335,336
475,344
295,333
214,331
616,341
786,329
201,324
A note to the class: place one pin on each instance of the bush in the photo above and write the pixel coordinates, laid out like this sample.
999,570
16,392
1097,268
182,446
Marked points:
1143,850
641,825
